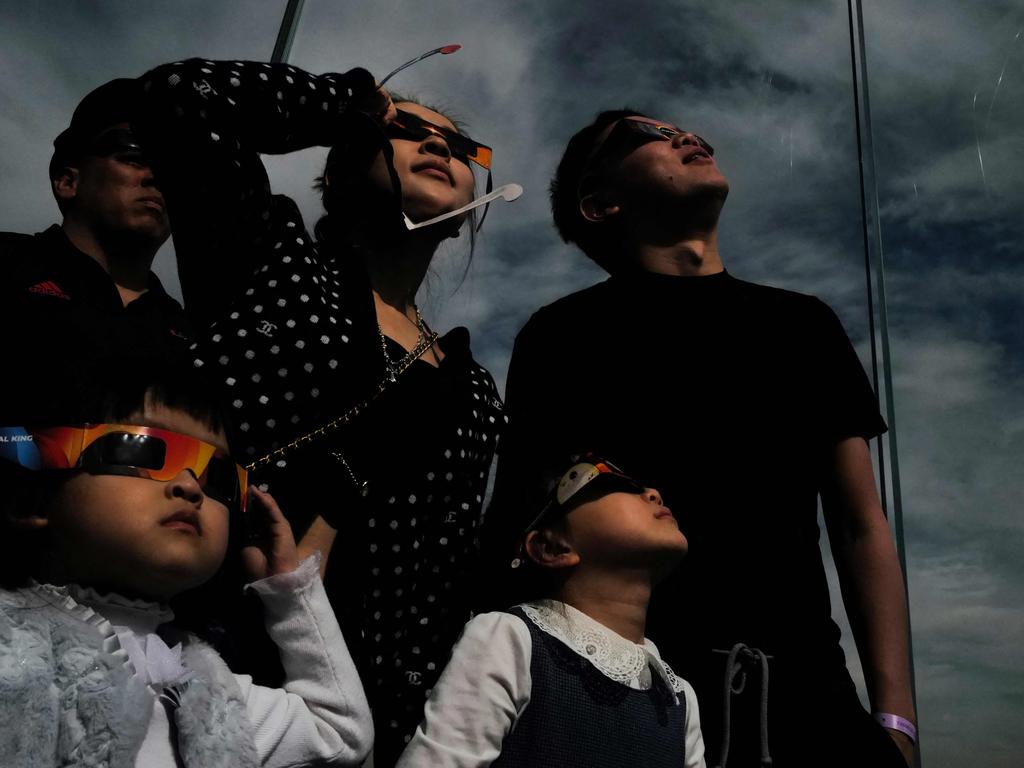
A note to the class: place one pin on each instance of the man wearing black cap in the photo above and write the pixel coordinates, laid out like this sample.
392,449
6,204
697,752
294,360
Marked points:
743,404
81,293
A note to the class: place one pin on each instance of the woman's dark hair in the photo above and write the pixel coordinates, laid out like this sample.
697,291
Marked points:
347,166
592,237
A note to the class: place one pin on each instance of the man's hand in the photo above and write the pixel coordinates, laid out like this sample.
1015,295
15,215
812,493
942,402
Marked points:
906,746
270,546
871,580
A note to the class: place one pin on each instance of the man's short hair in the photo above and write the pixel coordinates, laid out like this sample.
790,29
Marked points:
591,237
113,102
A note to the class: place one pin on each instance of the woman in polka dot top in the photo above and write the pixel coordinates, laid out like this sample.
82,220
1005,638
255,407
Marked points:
301,329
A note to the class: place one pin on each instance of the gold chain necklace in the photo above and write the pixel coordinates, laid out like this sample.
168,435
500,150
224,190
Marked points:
421,327
394,371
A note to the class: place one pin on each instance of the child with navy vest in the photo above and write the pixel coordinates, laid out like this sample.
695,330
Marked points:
567,677
103,524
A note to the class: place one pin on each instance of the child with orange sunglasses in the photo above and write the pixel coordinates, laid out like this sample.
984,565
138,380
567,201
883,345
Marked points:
104,524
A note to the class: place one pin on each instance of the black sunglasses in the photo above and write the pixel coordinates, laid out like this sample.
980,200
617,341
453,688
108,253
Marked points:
591,474
414,128
629,133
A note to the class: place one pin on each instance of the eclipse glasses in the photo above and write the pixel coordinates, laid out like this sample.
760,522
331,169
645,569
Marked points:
629,133
128,450
409,126
590,469
414,128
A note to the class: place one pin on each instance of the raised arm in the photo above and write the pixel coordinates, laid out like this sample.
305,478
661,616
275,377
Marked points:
268,108
321,715
203,125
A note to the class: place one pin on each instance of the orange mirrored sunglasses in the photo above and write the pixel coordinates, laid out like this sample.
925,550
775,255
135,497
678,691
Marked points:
134,451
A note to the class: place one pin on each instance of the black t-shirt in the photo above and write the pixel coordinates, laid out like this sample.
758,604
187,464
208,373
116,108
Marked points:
64,328
726,396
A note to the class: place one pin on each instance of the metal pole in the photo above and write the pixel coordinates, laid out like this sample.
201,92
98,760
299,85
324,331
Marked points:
285,35
875,262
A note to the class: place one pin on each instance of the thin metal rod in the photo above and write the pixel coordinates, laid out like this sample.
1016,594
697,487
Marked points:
866,229
444,49
285,35
875,262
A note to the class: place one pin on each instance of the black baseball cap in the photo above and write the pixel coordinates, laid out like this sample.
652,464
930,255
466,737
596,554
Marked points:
113,102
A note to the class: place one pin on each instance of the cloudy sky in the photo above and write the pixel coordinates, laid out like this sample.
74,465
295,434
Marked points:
769,84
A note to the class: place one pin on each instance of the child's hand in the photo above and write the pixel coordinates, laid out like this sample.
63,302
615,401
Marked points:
271,545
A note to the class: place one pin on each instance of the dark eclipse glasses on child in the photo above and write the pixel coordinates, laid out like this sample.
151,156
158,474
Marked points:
406,125
629,133
591,470
128,450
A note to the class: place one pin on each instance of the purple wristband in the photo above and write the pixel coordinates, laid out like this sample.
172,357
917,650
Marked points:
897,723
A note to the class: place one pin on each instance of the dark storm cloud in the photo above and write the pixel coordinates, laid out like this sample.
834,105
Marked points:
52,54
948,93
768,83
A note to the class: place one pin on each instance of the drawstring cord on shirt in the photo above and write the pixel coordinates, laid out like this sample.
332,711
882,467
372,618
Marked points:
742,657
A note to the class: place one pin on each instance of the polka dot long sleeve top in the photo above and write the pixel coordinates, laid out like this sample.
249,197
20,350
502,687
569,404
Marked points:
293,343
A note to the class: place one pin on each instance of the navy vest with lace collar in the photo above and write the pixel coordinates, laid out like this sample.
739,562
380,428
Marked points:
577,716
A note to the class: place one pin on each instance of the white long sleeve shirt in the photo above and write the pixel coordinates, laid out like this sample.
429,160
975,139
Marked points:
320,715
486,686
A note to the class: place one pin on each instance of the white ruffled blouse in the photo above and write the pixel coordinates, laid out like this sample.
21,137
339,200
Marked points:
131,624
319,716
486,686
135,623
616,657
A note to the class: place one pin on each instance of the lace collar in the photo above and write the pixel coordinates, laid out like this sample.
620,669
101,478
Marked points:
128,627
140,616
614,656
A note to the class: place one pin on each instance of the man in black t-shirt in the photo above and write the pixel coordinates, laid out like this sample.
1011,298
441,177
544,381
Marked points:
742,404
81,294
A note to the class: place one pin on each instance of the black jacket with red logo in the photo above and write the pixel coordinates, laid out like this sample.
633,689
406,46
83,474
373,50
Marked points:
64,329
